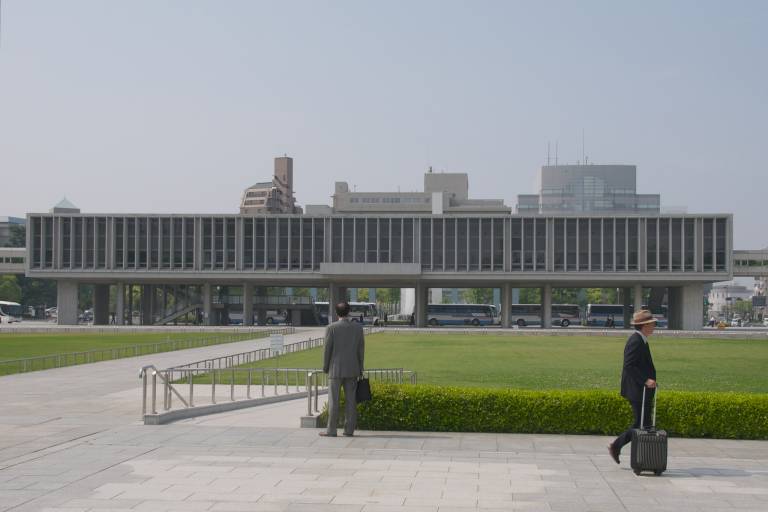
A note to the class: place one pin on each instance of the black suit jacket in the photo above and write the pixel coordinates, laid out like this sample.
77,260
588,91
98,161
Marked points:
638,367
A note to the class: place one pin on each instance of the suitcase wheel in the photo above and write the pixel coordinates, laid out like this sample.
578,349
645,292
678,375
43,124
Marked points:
658,472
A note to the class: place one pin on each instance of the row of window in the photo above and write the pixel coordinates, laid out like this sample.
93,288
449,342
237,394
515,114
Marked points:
438,244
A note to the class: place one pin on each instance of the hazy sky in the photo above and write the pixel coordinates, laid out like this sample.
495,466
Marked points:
176,106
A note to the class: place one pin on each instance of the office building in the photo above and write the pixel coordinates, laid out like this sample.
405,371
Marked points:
588,189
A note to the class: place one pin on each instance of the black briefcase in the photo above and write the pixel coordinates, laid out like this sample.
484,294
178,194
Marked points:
363,392
649,446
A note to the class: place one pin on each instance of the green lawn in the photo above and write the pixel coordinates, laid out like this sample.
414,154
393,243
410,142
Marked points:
557,362
114,346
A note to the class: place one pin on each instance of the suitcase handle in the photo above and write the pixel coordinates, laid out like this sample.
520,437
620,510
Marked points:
642,408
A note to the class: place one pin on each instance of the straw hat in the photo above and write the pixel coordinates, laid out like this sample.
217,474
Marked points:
642,317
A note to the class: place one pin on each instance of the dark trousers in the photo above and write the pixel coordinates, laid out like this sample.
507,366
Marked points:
626,436
350,410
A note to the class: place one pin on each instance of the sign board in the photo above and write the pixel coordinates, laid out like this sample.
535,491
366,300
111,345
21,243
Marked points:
276,343
758,301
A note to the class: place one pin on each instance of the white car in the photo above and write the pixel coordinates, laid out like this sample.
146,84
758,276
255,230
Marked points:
736,321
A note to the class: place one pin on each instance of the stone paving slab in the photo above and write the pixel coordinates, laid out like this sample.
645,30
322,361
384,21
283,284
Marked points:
198,467
71,440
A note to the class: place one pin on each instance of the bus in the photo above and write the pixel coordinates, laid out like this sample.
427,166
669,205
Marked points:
563,315
461,314
10,312
365,313
598,314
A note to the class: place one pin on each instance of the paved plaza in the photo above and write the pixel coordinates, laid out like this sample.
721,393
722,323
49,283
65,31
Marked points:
71,440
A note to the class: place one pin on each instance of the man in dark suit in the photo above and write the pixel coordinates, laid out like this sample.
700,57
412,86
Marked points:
343,362
637,374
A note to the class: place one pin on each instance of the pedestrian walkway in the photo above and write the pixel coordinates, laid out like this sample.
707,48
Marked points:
71,440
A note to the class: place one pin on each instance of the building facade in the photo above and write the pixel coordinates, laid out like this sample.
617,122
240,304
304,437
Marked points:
6,224
588,189
680,252
444,193
723,297
273,196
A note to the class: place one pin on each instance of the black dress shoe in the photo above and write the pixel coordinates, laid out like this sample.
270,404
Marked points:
326,434
614,453
348,435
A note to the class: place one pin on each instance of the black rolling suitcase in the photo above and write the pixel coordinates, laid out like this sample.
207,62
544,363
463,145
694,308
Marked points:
649,446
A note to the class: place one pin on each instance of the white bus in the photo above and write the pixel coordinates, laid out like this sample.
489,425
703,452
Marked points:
599,314
365,313
461,314
10,312
563,315
605,315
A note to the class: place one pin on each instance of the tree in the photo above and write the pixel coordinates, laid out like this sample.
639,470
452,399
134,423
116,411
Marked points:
530,296
37,292
10,289
478,295
18,236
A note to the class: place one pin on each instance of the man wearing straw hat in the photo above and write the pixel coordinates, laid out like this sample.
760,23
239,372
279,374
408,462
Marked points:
638,373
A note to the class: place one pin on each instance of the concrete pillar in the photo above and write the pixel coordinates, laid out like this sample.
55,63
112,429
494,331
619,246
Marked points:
261,312
371,294
130,304
100,304
546,306
207,304
247,304
506,296
626,295
67,302
119,304
422,300
146,304
692,306
637,301
336,294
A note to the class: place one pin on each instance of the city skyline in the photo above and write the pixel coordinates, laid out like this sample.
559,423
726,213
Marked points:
176,108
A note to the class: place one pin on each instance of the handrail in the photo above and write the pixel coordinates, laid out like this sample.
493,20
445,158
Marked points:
250,357
280,380
395,375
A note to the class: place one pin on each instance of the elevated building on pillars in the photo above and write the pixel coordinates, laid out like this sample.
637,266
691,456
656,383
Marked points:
388,250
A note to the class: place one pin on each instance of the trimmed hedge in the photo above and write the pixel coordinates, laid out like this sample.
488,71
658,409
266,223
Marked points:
452,409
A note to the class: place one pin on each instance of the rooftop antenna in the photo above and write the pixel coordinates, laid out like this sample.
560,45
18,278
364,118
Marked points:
583,151
548,152
555,152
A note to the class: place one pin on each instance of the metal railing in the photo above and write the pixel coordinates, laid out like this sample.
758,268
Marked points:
249,357
175,380
29,364
240,383
317,379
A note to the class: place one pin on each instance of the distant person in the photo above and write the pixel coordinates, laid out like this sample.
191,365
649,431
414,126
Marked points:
637,374
343,362
712,321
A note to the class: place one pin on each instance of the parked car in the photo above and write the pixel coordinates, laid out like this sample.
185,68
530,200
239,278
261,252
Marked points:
736,321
